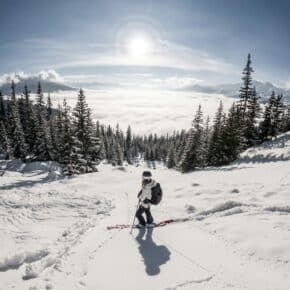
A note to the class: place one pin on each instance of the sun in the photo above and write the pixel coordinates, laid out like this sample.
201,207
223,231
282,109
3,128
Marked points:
139,46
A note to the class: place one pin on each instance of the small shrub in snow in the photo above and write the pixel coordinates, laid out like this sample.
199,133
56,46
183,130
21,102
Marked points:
235,190
190,208
195,184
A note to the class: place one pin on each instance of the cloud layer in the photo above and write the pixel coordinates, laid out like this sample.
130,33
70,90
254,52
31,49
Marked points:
46,75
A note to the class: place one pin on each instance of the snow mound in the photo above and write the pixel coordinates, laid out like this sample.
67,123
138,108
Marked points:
274,150
37,166
221,207
16,261
51,167
12,165
282,209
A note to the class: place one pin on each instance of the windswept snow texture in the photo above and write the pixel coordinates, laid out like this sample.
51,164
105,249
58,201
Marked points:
53,229
42,215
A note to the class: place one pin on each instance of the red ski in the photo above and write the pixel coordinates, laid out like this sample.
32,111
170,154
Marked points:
160,224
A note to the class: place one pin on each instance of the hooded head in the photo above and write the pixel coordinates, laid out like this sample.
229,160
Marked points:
146,177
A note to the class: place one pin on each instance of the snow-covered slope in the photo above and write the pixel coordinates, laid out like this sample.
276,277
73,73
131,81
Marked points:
53,231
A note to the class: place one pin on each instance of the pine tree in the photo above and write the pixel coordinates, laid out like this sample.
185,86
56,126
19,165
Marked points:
215,156
43,148
48,108
119,154
232,138
170,160
180,146
86,144
266,123
246,90
128,145
5,147
251,132
64,139
28,121
3,116
277,113
18,145
191,156
206,136
286,120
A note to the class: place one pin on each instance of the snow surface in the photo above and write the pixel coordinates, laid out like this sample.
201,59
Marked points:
53,230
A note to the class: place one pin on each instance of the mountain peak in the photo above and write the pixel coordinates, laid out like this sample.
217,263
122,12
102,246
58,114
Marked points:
264,89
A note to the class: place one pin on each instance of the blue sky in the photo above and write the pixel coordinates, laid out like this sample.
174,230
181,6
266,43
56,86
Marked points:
88,42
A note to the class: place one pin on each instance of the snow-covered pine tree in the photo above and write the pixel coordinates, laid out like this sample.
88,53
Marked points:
28,121
251,132
86,145
94,144
48,108
43,148
98,130
286,120
191,157
51,132
246,90
277,113
113,151
120,154
215,156
120,144
59,132
3,116
18,146
180,146
206,136
171,158
5,147
266,124
232,138
272,122
64,139
128,145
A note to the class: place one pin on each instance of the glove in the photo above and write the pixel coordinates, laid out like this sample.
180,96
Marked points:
146,200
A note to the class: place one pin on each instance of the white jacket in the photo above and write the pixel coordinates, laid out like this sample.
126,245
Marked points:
146,193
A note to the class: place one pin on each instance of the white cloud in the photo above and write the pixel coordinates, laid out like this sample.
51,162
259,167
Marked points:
287,85
13,76
147,111
49,75
130,81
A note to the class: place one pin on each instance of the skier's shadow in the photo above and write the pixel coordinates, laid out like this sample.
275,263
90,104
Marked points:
153,255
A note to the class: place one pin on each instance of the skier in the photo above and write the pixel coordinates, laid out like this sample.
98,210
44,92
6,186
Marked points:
145,198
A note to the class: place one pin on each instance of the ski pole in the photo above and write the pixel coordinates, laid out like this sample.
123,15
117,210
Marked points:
135,216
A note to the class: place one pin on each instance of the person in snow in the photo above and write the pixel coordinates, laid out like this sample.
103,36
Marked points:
145,195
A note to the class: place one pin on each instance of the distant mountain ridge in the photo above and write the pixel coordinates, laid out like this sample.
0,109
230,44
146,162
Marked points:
48,86
264,90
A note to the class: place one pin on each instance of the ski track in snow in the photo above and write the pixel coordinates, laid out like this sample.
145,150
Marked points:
187,283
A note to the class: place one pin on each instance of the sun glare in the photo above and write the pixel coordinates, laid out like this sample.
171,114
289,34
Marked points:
139,46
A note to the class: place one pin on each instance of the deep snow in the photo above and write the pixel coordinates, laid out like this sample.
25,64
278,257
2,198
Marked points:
53,230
